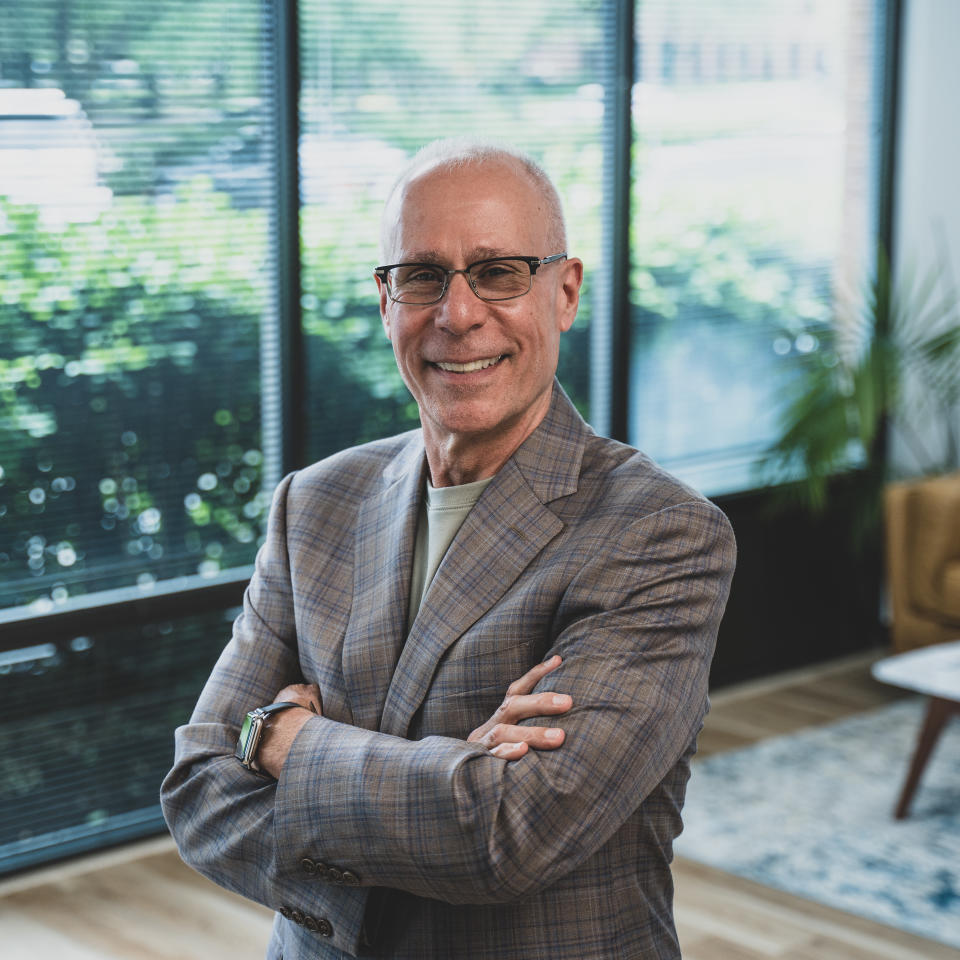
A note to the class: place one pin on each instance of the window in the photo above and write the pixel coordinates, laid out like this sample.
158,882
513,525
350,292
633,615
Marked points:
135,155
166,351
530,73
136,216
756,150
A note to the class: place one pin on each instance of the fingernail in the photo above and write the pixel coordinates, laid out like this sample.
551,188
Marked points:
559,699
554,734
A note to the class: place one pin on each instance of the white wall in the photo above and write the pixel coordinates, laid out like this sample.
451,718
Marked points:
927,178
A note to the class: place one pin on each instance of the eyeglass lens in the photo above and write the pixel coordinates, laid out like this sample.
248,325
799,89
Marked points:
492,280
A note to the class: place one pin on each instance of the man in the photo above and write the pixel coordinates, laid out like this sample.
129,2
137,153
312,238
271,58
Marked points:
404,585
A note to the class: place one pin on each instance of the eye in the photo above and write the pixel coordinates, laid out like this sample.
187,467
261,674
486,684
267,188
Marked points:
417,274
497,270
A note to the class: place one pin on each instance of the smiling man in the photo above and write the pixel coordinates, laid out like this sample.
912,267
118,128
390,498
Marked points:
352,762
481,370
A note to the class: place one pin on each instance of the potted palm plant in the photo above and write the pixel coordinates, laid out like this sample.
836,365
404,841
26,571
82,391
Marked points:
894,375
890,371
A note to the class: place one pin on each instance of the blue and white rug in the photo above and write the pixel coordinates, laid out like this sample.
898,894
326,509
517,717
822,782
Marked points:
812,813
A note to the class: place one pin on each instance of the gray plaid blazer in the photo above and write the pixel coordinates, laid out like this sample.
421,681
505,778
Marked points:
388,835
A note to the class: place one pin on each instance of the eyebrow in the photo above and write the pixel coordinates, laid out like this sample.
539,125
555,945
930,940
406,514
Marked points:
477,253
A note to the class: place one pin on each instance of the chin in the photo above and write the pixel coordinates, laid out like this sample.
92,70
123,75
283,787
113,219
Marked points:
468,416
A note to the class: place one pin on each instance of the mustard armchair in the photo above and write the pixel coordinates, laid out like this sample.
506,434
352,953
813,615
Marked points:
923,560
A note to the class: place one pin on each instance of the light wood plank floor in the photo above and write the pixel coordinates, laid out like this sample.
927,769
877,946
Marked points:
141,903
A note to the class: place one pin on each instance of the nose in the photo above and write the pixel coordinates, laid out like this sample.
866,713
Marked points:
460,310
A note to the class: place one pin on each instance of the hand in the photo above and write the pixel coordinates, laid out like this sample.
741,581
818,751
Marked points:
503,738
284,726
306,694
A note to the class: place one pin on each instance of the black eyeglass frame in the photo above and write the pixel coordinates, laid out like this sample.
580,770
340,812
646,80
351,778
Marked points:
534,263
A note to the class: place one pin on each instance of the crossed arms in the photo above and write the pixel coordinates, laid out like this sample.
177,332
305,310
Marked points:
449,818
501,734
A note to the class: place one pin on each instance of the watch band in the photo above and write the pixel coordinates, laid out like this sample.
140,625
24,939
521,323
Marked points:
252,731
279,705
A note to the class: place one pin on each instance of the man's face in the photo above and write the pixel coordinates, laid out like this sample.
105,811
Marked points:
455,218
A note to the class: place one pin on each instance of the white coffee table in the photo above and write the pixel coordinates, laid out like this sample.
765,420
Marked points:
935,672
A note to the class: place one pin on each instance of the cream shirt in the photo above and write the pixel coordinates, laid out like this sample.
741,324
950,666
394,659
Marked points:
442,512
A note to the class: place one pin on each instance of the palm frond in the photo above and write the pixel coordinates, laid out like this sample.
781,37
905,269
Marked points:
903,334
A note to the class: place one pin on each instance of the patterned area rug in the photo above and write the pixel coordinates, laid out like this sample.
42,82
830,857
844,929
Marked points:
812,813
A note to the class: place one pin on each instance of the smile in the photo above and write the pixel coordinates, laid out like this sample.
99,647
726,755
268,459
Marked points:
470,367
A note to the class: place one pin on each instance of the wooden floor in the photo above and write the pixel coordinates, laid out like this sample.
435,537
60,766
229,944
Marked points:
141,903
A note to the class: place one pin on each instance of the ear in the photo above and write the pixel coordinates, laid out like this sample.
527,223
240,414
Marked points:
568,292
384,300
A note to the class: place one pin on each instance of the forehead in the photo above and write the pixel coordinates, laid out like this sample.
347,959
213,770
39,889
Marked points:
453,213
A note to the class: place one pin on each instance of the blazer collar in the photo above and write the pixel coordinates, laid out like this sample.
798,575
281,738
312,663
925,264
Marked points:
550,458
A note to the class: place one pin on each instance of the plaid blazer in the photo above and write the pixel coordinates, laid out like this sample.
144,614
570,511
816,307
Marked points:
388,835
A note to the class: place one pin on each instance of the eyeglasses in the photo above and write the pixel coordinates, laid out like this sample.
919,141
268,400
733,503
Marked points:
496,278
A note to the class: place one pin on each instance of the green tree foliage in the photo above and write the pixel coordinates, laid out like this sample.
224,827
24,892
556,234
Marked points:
129,394
130,382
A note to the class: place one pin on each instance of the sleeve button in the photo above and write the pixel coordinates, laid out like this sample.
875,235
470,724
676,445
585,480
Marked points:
324,927
286,912
351,879
297,917
335,875
309,867
311,924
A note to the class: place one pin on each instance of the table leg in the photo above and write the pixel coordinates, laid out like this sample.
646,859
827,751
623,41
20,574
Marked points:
938,712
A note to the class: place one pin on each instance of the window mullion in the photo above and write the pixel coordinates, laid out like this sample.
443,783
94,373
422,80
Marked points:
282,355
611,329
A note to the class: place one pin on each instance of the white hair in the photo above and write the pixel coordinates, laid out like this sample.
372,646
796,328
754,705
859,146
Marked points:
457,152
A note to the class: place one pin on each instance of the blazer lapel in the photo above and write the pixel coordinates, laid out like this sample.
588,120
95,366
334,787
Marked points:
383,559
503,533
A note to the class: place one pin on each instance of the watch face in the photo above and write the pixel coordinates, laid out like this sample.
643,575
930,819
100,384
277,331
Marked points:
246,744
252,730
245,729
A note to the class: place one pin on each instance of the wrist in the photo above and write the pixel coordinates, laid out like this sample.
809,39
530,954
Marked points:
281,731
255,732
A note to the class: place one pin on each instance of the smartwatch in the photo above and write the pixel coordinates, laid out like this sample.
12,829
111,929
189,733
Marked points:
252,731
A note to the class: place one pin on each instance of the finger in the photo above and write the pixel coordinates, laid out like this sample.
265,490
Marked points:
303,694
533,676
510,751
522,688
295,693
540,738
308,690
524,706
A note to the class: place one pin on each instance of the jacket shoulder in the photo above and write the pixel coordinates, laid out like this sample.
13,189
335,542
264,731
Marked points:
352,474
618,478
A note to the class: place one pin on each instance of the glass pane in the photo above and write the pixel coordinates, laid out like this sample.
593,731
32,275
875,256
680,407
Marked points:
135,184
88,733
370,98
754,185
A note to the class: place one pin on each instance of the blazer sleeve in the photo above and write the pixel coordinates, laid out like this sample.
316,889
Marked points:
442,818
221,815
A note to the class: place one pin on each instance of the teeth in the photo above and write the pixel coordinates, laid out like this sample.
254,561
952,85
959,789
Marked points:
469,367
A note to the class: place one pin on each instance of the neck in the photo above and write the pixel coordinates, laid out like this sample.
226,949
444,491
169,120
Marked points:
457,458
451,465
